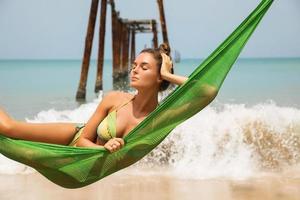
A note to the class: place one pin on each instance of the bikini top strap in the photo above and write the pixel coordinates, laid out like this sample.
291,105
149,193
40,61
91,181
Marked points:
124,104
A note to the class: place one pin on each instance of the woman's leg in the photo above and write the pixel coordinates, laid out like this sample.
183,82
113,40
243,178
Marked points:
56,133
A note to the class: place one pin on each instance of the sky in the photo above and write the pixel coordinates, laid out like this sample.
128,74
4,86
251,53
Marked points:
56,29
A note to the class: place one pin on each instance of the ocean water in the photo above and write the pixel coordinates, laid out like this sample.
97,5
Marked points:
252,126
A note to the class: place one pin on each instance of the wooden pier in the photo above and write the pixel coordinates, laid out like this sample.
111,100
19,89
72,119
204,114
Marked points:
123,43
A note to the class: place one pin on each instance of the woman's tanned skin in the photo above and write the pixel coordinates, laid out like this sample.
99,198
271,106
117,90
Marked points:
146,76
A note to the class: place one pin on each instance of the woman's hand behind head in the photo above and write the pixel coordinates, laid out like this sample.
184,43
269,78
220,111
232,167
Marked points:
166,66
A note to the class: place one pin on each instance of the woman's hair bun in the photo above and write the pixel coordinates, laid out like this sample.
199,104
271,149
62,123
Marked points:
165,48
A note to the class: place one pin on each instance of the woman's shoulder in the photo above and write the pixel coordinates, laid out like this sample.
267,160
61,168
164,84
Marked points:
116,98
118,95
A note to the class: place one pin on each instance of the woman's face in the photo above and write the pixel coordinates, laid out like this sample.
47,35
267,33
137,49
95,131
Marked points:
144,73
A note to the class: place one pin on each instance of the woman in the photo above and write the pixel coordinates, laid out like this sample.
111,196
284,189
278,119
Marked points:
116,115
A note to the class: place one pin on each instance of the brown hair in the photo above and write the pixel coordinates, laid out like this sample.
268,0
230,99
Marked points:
156,52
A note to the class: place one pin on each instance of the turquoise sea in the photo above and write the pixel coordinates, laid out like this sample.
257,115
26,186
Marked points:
29,86
252,126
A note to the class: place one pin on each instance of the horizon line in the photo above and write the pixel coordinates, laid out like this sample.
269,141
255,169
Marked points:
109,59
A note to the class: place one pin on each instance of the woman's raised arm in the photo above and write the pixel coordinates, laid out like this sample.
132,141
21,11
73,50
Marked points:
166,74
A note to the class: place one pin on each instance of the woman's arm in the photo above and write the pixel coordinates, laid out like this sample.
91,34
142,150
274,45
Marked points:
89,132
173,78
166,74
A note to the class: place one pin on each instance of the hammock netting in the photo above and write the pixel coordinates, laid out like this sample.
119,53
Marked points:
74,167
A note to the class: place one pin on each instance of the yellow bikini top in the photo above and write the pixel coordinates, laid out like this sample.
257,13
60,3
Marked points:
107,129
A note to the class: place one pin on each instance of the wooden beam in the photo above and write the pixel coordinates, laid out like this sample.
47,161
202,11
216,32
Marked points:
163,21
125,49
99,84
81,91
154,30
118,48
132,46
142,21
114,21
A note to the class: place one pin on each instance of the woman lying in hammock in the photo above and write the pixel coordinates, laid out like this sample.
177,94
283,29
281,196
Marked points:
116,115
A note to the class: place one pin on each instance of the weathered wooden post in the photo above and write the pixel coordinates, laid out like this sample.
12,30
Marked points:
154,30
132,46
81,91
163,21
114,21
125,48
119,49
99,84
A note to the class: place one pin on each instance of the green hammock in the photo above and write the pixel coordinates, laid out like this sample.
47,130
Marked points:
74,167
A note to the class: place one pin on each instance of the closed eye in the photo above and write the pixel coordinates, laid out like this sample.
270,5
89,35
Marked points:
144,65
